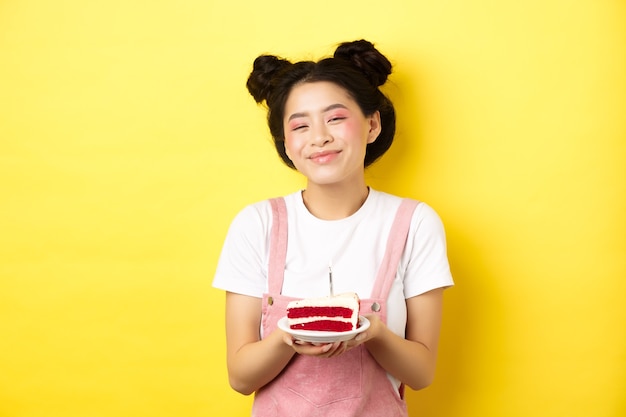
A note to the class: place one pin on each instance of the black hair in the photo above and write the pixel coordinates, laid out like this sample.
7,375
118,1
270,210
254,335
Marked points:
356,66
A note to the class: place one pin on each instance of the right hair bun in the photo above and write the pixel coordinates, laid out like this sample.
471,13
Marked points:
263,72
367,59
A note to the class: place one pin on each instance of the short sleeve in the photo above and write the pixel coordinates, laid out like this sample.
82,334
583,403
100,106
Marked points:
242,266
427,267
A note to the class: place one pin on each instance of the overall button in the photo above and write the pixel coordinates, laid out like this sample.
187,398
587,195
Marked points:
270,300
376,307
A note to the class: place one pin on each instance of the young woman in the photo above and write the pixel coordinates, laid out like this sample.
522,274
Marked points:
329,121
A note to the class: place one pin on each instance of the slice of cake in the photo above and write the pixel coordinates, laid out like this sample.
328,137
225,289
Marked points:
339,313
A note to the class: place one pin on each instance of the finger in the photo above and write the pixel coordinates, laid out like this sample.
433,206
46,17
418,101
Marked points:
336,348
326,350
305,348
341,348
361,337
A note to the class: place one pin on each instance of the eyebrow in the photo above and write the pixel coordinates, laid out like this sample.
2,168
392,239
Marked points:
324,110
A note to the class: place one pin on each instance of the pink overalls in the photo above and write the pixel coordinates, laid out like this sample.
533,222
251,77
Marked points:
351,384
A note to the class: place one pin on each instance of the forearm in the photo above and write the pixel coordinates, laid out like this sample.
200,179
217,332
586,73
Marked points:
257,363
411,362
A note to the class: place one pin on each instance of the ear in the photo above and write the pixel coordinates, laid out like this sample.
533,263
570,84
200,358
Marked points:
375,127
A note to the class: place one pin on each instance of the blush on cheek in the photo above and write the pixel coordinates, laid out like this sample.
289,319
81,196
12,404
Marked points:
350,127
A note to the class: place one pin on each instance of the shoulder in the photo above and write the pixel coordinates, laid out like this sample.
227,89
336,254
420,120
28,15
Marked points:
426,224
390,201
424,216
425,213
252,216
385,202
259,215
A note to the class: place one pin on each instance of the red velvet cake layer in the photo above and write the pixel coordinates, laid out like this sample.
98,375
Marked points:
324,326
338,313
300,312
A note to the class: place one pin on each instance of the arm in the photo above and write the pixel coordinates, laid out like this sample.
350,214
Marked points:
251,362
411,360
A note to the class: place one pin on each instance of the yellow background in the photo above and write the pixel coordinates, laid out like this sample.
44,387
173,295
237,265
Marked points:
128,142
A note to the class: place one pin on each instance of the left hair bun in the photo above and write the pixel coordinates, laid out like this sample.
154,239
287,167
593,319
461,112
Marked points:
263,72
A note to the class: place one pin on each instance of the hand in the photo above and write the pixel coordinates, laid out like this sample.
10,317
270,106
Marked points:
329,350
321,350
376,325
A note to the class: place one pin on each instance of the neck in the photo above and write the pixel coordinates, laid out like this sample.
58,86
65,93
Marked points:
330,202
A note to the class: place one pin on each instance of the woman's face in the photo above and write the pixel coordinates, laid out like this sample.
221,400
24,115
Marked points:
326,133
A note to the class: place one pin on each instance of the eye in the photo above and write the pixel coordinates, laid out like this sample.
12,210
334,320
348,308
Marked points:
335,119
298,127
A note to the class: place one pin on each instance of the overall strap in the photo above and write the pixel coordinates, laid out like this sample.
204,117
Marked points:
395,247
278,245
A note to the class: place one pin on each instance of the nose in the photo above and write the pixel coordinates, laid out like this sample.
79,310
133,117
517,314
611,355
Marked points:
321,136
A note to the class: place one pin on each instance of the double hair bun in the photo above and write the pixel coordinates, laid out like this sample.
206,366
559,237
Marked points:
270,71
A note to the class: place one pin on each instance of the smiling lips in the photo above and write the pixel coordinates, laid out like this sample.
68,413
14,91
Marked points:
323,157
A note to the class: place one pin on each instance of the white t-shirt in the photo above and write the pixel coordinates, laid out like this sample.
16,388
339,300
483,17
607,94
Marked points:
355,247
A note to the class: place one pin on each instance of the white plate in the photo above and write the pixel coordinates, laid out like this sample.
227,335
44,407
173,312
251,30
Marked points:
323,337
